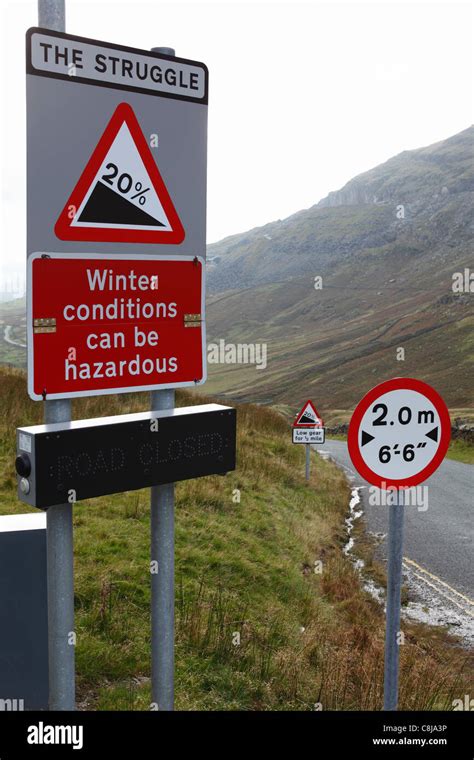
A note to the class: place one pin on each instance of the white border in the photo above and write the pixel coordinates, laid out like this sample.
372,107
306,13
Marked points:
110,257
24,521
303,430
118,419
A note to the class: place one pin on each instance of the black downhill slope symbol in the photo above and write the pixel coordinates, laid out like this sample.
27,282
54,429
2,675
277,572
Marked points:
105,206
433,434
306,418
366,438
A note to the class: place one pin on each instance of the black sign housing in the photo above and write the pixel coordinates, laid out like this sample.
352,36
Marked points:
78,460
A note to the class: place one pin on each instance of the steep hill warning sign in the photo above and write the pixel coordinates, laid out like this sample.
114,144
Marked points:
116,148
121,196
308,416
99,324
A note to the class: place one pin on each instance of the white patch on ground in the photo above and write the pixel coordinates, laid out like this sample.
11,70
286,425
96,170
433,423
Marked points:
354,515
434,603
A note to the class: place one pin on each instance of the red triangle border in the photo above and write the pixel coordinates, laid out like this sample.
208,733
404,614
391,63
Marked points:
63,229
308,424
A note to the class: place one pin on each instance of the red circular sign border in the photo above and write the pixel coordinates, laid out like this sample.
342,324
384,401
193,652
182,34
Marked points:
398,383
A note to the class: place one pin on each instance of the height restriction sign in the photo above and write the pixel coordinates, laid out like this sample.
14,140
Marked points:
117,143
399,433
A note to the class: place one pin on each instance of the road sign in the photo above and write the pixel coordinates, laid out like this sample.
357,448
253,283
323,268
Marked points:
399,433
106,325
309,435
121,196
308,416
86,458
117,141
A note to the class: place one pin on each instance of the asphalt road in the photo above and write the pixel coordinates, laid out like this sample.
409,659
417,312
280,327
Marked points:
438,541
6,336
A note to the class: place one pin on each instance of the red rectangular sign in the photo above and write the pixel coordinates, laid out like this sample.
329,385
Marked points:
100,324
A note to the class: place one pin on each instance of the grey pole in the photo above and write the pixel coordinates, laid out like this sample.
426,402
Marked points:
59,534
162,581
162,556
52,14
394,587
308,459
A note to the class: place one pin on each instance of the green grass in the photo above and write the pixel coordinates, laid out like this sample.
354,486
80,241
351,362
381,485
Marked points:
256,626
461,451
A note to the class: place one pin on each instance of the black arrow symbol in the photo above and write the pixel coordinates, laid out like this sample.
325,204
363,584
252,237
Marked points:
366,438
433,434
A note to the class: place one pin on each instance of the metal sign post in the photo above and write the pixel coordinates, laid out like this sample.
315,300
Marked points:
394,588
398,436
59,533
60,571
162,581
308,460
162,552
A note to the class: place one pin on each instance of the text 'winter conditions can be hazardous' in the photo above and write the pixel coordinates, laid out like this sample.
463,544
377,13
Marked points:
113,326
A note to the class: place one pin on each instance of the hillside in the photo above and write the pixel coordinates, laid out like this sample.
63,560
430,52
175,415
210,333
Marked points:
245,567
386,246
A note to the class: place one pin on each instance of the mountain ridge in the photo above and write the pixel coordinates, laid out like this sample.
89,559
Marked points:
387,267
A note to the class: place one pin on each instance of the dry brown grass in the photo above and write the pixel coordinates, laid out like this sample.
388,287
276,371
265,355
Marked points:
246,568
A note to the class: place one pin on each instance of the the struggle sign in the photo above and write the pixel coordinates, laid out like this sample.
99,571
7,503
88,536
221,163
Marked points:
120,66
77,57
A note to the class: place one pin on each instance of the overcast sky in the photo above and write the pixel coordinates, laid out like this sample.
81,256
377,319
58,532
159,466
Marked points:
302,96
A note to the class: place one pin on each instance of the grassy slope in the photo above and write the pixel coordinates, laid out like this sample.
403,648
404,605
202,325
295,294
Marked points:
336,343
243,567
461,451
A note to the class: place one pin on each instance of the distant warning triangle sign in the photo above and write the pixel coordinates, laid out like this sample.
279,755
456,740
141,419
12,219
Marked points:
121,196
308,416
